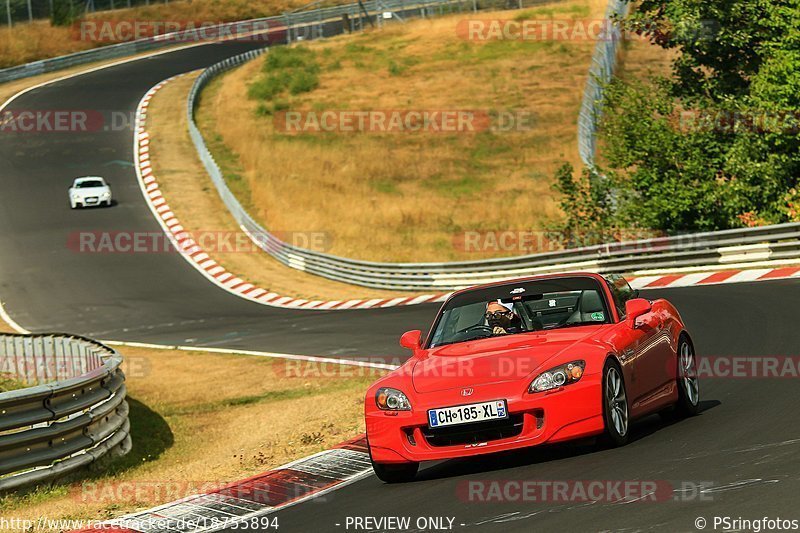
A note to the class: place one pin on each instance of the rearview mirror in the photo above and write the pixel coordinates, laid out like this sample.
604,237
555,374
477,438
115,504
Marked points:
635,308
411,340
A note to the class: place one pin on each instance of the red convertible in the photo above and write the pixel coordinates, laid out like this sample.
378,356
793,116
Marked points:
527,362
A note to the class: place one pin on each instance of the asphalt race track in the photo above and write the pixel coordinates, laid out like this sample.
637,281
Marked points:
744,444
46,285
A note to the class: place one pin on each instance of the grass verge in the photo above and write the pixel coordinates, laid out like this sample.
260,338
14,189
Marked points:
9,383
262,413
403,196
194,200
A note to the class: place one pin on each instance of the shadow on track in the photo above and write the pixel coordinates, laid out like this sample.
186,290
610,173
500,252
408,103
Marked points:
641,429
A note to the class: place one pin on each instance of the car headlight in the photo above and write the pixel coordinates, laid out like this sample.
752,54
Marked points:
106,194
392,400
558,377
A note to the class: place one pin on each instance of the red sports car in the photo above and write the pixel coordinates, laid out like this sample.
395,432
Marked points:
527,362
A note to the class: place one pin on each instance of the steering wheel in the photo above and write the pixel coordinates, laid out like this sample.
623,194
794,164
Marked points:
476,327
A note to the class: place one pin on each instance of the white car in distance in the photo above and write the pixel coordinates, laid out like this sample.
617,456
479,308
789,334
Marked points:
89,191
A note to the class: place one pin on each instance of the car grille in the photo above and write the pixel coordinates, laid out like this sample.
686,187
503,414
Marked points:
474,433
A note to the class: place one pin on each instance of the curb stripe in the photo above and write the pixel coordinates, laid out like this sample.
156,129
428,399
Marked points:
718,277
778,273
258,495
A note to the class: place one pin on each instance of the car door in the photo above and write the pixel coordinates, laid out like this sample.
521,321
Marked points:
645,349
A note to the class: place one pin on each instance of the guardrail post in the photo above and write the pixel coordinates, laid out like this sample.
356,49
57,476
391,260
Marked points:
288,28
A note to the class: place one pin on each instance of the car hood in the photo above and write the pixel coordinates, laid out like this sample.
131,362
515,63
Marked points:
495,360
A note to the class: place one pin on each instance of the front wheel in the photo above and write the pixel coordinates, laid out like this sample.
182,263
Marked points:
615,405
688,385
395,473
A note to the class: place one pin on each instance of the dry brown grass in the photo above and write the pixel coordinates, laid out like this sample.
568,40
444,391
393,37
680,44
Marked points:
404,197
261,414
38,40
9,383
194,200
34,41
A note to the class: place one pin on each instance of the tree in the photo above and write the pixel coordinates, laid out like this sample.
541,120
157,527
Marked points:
716,145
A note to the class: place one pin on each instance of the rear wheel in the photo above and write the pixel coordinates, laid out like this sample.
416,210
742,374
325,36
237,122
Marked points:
615,405
688,385
395,472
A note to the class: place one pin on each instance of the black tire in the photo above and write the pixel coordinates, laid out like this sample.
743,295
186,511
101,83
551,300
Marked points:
395,473
616,412
688,384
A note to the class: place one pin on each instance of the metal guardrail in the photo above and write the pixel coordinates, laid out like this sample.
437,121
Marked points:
604,62
734,246
74,414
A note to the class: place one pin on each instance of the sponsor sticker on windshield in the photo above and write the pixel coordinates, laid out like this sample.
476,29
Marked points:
599,317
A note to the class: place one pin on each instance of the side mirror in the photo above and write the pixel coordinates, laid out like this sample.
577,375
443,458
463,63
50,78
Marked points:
635,308
411,340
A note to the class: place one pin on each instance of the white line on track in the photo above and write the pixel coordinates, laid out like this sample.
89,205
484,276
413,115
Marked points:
11,322
276,355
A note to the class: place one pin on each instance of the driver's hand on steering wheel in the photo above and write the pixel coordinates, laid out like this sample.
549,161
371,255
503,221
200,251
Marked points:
497,330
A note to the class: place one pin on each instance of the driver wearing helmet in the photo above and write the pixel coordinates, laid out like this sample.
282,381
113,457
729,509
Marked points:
503,320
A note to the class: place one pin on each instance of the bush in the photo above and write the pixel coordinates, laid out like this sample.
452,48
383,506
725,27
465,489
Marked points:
303,81
65,12
286,69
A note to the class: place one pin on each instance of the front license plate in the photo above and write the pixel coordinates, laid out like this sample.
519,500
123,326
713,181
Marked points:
467,414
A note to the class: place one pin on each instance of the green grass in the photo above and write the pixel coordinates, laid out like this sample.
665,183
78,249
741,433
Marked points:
574,11
287,69
9,383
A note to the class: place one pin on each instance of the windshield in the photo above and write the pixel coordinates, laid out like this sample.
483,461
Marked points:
519,308
89,184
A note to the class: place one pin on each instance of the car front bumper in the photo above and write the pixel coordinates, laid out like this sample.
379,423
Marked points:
571,412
